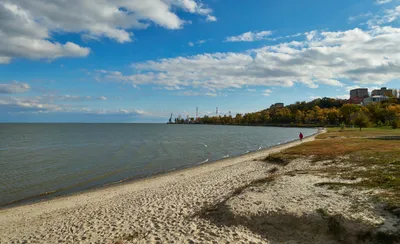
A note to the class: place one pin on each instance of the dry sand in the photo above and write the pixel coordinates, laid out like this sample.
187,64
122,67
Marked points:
202,205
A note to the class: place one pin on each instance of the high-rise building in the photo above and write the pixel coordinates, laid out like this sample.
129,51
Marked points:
382,92
359,92
357,95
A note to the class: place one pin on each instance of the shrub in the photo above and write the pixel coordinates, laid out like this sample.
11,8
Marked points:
342,126
396,124
379,123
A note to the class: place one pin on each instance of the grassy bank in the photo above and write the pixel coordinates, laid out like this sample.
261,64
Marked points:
371,155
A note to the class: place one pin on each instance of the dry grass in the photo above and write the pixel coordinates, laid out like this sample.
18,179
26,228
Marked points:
379,157
355,132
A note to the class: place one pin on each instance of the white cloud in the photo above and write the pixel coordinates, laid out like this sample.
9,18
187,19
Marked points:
211,18
26,26
18,105
360,16
251,90
190,93
370,88
199,42
51,98
14,87
363,57
389,16
344,96
131,112
315,97
249,37
383,1
267,92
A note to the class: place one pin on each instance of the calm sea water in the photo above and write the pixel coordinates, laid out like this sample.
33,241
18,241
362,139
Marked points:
47,160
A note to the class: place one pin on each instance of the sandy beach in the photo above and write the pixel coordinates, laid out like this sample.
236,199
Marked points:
236,200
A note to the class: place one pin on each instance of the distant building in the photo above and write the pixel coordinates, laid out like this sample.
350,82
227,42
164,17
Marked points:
360,92
277,105
382,92
374,99
357,95
356,100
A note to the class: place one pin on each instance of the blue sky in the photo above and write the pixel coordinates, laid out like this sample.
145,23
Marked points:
139,61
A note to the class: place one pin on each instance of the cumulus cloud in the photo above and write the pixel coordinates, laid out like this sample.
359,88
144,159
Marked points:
14,87
327,58
249,37
21,35
26,25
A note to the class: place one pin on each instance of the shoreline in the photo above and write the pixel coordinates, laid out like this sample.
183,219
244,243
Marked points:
168,200
46,196
243,157
296,126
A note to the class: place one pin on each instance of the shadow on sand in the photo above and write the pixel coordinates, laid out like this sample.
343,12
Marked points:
318,227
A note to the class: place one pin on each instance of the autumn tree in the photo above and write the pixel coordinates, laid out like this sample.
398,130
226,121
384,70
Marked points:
361,120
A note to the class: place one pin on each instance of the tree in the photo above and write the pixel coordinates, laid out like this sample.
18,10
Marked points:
299,117
265,117
347,111
238,118
361,120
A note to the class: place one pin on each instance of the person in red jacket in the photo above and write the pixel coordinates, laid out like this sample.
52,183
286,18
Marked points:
301,136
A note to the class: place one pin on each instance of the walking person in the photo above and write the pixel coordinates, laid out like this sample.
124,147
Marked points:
301,136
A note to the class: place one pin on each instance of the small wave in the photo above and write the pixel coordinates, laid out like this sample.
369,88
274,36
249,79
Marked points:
171,170
205,161
226,156
259,148
205,145
37,196
246,152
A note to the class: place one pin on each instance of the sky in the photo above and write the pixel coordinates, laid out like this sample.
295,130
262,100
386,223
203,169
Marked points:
139,61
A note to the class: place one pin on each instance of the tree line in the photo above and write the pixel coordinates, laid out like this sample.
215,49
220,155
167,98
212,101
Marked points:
319,112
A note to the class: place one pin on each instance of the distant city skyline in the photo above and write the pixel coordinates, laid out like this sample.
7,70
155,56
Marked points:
140,61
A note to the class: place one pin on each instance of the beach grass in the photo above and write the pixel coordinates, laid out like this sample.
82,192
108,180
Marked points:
372,156
355,132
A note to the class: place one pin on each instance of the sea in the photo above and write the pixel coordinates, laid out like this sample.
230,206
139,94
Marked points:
42,161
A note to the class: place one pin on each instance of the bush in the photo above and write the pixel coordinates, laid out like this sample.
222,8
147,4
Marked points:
342,126
379,123
396,124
